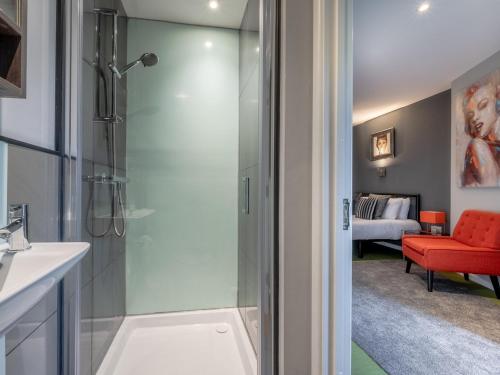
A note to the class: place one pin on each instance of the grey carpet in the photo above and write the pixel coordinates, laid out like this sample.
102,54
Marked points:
408,330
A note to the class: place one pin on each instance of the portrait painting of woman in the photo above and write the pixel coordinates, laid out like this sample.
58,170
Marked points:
382,144
478,144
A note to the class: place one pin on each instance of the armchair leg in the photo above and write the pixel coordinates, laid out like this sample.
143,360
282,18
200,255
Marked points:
466,276
408,264
430,280
496,285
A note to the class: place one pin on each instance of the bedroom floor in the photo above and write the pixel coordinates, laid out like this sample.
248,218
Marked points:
453,330
377,252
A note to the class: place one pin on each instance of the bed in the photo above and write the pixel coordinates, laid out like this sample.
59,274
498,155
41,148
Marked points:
386,232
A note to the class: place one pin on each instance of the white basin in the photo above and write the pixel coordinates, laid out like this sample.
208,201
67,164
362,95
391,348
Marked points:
26,277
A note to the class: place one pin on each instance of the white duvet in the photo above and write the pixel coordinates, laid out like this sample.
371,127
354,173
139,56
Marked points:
382,229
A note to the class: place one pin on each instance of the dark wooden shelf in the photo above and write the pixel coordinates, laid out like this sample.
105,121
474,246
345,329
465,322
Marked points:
13,54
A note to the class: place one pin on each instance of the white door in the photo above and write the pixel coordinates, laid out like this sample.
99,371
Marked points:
332,249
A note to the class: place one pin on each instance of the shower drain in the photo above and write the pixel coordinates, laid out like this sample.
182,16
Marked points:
222,328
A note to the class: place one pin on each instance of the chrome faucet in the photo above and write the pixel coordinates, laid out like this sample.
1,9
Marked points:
16,232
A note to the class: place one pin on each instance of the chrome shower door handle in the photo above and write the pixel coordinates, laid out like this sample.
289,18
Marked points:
347,220
246,195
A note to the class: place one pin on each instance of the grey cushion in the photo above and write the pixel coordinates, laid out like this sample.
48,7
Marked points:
381,203
366,208
357,197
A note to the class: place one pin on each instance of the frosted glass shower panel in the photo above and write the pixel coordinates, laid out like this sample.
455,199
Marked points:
182,163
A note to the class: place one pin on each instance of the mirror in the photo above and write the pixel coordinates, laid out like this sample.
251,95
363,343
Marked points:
11,8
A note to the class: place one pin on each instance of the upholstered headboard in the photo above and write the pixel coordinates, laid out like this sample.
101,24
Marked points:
414,212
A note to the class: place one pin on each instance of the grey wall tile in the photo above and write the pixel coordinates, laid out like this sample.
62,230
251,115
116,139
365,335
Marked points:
119,290
86,222
103,251
33,178
104,325
68,336
86,304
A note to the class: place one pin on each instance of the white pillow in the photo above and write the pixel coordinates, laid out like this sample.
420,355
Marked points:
405,209
392,208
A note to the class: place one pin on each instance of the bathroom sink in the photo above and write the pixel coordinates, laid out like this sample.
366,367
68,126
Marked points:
26,277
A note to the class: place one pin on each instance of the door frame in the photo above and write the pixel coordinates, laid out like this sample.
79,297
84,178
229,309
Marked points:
331,272
268,185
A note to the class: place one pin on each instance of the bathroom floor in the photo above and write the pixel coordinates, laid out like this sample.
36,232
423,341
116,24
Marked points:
212,342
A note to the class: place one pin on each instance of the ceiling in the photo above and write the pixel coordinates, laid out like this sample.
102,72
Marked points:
196,12
402,56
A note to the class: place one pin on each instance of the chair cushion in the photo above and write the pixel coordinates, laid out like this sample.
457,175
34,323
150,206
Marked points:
423,243
479,229
446,254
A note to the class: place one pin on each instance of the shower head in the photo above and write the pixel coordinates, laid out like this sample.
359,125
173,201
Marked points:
147,60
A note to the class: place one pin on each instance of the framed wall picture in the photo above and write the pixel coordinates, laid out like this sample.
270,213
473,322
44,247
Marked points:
382,144
477,125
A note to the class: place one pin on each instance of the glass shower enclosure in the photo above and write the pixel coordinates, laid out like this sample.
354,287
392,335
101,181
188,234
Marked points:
175,178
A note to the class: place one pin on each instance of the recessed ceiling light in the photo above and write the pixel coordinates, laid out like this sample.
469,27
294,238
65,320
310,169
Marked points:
424,7
213,4
208,44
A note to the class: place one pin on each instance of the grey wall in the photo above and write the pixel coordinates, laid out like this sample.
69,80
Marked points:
422,162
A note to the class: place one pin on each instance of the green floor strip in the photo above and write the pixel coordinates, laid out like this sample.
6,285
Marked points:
362,364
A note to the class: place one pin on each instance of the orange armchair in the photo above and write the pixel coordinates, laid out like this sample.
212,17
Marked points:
474,247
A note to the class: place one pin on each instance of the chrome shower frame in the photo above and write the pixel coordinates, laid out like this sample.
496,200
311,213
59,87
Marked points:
112,116
268,211
110,119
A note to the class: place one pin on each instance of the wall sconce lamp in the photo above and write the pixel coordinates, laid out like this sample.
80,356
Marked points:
381,172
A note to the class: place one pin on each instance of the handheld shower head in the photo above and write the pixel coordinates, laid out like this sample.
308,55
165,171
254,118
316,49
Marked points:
147,59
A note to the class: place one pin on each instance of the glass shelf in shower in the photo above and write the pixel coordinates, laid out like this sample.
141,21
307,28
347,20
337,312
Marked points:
108,120
136,214
104,179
